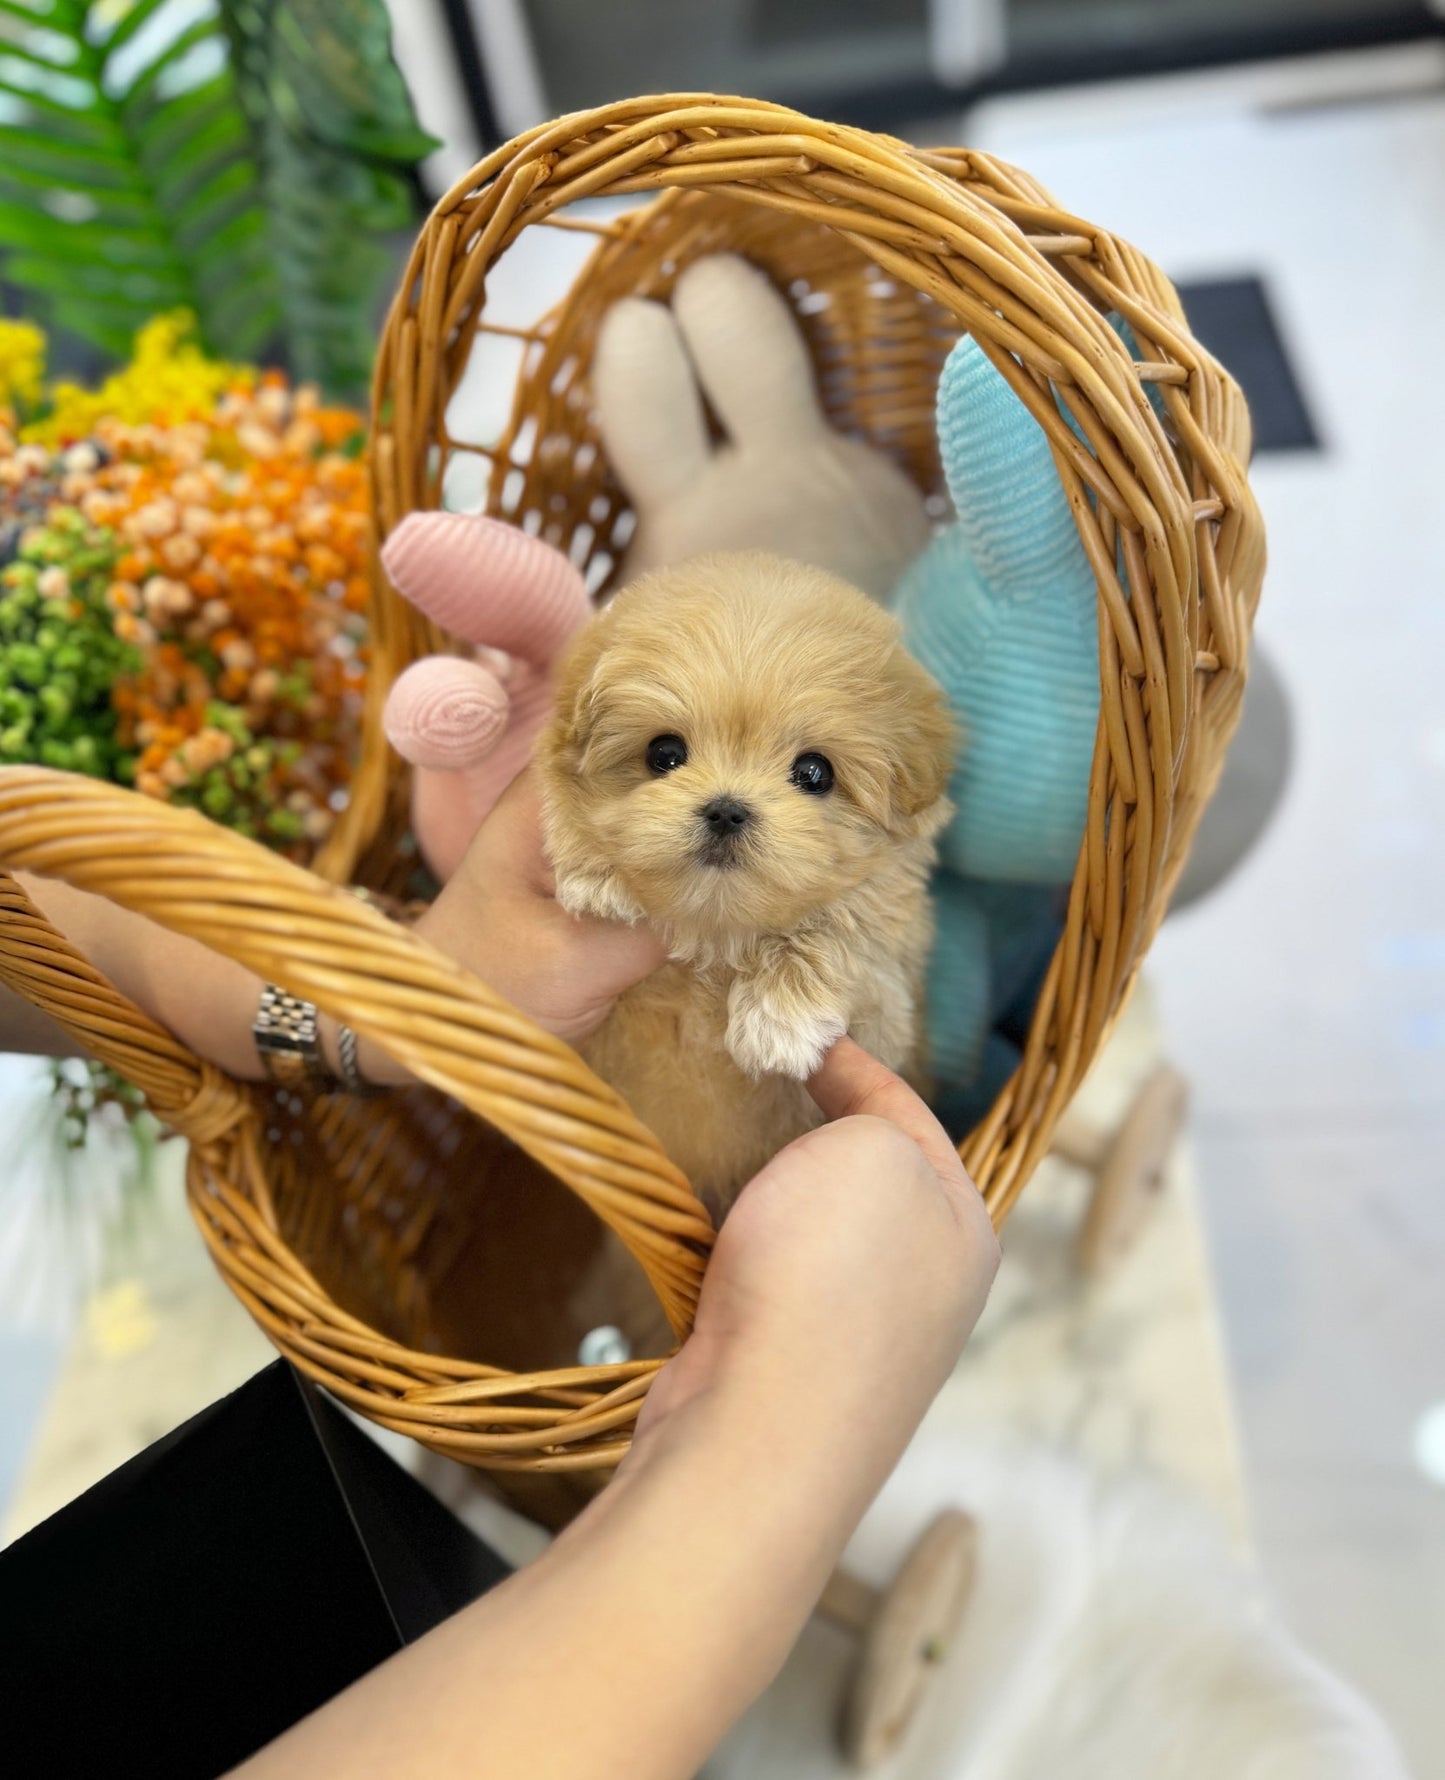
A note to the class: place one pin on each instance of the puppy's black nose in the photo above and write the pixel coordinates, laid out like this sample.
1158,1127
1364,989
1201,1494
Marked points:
726,817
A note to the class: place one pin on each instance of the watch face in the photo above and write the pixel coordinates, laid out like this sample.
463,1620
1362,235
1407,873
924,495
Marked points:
285,1066
285,1035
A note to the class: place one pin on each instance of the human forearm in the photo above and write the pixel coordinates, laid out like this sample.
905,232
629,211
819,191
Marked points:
25,1029
496,917
635,1642
209,1002
206,1000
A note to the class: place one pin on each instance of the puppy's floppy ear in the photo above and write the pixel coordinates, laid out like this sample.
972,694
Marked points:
900,755
923,737
575,709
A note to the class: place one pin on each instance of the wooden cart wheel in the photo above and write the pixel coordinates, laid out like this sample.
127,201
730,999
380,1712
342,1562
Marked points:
904,1632
1128,1166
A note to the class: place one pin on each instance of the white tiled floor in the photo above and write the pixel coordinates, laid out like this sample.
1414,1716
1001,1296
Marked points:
1307,998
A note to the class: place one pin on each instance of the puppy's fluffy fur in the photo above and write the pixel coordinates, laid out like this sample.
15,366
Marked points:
813,918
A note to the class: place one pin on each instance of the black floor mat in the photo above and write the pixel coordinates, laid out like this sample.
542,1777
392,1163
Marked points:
1233,318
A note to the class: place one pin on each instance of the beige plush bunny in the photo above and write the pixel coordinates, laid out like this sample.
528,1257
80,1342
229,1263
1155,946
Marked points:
782,480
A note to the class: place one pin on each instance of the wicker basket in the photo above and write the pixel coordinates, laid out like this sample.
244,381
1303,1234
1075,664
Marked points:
377,1241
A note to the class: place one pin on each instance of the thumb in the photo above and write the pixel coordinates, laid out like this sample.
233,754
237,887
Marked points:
850,1081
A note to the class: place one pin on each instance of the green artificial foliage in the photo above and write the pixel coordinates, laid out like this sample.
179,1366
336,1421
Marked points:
59,657
84,1090
237,791
333,123
239,158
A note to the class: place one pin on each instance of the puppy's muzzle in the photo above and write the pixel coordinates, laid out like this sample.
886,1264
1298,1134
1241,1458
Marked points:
725,821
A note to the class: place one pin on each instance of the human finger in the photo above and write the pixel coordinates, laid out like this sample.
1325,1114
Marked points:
850,1082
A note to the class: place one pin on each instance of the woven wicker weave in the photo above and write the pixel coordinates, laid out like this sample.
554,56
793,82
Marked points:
364,1236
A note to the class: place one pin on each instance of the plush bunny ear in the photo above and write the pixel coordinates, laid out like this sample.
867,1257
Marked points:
1012,511
648,408
748,350
487,582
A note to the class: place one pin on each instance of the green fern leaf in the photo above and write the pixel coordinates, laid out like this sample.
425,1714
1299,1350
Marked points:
132,22
242,158
334,133
129,157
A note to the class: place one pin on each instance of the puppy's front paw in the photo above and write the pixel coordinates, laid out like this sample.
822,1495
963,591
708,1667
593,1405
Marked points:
768,1035
596,893
887,1023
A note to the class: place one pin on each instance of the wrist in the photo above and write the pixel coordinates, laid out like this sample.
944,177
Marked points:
375,1066
750,1459
828,1434
754,1533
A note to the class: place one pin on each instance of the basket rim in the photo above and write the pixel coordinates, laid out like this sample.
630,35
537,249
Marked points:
1029,280
454,1033
1018,220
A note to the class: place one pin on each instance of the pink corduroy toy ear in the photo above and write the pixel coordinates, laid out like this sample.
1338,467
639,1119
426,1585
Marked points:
467,724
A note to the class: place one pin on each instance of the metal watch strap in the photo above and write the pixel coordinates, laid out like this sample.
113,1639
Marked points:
287,1040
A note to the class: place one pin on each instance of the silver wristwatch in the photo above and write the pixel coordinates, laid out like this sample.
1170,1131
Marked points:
286,1038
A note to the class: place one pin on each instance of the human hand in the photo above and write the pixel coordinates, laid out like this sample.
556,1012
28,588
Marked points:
782,480
467,723
843,1286
841,1289
498,916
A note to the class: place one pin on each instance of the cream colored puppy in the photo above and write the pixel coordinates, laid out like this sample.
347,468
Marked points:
743,755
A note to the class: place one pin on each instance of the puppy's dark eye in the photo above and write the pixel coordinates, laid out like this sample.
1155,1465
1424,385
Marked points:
813,773
666,753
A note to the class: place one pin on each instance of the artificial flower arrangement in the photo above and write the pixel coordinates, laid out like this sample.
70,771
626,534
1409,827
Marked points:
182,549
182,582
182,609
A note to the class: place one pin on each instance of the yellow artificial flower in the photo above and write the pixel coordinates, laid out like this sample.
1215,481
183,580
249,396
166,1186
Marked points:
22,363
169,379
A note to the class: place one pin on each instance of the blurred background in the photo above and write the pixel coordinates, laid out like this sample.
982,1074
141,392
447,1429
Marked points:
1284,161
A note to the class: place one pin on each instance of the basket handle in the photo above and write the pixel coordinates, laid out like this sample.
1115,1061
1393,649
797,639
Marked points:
292,928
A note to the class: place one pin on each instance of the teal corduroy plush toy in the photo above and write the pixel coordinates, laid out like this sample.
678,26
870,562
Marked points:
1001,608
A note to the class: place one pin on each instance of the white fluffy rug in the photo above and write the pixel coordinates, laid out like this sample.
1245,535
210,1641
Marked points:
1112,1635
1111,1632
